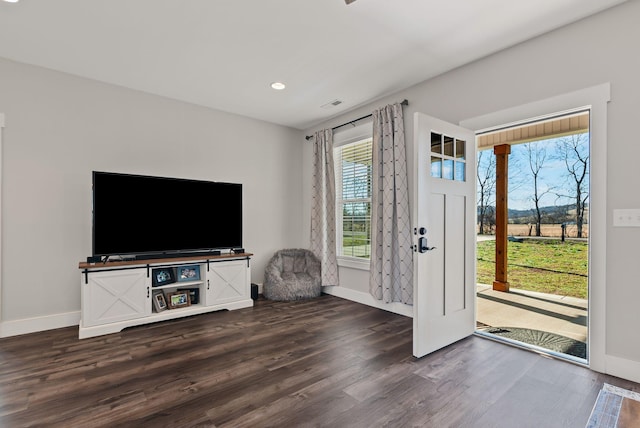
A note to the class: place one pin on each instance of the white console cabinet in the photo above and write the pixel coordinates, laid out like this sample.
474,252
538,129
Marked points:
116,295
227,282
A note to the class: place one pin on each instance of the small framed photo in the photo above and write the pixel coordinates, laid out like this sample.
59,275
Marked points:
188,273
178,299
162,276
194,294
159,303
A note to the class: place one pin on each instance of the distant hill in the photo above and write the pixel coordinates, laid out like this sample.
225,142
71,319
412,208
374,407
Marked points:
558,214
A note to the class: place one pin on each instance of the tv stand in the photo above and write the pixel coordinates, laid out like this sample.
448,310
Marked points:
119,294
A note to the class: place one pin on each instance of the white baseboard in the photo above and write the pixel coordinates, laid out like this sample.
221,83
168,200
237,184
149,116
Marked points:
33,325
367,299
621,367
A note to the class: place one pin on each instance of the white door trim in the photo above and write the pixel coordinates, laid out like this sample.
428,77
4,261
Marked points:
1,150
595,98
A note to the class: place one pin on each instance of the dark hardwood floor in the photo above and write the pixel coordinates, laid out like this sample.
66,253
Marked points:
321,362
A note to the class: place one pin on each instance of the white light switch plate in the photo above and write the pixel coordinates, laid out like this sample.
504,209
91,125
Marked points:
626,218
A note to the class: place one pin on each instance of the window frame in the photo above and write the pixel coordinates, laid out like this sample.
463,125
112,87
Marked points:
361,132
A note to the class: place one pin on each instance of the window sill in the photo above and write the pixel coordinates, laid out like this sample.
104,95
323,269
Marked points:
353,263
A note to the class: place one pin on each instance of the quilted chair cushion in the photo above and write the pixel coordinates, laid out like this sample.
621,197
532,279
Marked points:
292,274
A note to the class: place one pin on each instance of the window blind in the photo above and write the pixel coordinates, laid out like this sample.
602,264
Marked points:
354,172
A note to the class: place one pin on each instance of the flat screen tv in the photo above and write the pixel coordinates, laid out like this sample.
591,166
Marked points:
144,215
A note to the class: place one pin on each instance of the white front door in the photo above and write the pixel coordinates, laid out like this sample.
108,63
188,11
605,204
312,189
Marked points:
444,234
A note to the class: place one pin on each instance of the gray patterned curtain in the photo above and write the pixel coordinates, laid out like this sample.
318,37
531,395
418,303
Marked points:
391,272
323,211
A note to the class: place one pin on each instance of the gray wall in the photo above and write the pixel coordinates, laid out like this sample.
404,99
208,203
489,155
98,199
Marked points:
599,49
59,128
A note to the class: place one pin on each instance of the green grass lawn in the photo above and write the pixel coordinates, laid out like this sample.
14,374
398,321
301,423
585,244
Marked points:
546,266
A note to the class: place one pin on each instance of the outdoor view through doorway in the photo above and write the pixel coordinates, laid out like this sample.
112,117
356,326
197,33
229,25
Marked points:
533,235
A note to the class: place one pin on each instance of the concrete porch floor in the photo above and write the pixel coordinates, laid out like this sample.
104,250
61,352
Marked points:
566,316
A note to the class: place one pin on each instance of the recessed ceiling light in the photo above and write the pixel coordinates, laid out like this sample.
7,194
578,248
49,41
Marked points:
278,86
12,1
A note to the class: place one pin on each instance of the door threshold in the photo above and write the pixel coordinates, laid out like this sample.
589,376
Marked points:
533,348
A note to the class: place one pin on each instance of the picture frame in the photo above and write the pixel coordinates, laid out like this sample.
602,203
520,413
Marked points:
162,276
178,299
194,294
188,273
159,302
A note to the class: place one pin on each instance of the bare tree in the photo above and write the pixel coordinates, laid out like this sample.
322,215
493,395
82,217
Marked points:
574,151
486,173
537,156
519,179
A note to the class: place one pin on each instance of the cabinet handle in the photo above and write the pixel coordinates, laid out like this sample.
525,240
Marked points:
207,284
147,292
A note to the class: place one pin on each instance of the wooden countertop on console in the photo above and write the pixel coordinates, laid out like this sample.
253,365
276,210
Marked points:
168,260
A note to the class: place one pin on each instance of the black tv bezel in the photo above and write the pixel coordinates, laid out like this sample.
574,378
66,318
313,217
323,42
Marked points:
169,252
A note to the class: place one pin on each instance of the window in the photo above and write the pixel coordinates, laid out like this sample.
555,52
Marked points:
353,168
447,157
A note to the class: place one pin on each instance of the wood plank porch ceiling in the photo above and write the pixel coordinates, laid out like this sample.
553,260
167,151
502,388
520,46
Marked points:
541,130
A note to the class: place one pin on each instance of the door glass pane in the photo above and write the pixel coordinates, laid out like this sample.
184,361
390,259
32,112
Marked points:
436,167
460,171
447,169
460,149
448,146
436,143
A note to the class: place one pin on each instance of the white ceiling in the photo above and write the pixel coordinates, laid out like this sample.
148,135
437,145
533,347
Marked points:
224,54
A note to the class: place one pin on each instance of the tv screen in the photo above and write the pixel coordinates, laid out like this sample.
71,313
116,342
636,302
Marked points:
145,215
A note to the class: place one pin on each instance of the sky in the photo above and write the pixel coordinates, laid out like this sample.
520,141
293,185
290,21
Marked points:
552,178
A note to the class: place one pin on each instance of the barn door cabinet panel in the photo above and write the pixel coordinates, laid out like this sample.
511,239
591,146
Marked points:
114,295
228,282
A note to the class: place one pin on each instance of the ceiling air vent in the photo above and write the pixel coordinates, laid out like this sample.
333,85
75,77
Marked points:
331,104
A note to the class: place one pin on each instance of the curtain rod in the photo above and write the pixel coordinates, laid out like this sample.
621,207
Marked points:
308,137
